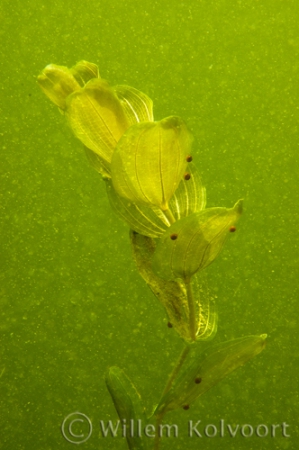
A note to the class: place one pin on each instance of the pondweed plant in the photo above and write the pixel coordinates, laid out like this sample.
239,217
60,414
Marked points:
154,186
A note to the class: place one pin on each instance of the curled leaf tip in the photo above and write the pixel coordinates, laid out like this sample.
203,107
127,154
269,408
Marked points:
238,207
58,83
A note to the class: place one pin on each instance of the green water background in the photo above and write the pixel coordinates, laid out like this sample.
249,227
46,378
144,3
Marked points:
72,303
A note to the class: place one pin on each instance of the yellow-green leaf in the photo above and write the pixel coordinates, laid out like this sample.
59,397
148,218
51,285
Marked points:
137,105
150,160
141,218
152,221
192,243
98,163
203,371
85,71
97,117
58,83
174,297
190,195
128,405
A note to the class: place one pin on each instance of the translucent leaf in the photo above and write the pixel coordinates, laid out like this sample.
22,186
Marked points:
173,295
192,243
205,308
84,71
152,221
203,371
58,83
138,106
101,166
150,160
128,405
97,117
142,219
190,195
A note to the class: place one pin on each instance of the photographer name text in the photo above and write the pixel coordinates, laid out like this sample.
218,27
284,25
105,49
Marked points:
136,428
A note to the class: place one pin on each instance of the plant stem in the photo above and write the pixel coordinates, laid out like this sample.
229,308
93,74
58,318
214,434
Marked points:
176,369
157,434
192,319
168,214
169,383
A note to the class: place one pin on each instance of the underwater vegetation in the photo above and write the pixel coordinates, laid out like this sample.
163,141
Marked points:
152,183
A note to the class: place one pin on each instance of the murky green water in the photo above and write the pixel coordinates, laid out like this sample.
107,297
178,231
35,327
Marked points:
72,303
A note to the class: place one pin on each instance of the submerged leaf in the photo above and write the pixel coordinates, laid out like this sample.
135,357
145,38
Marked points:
142,219
137,105
152,221
204,371
150,160
58,83
190,195
85,71
97,117
98,163
205,308
128,405
192,243
173,294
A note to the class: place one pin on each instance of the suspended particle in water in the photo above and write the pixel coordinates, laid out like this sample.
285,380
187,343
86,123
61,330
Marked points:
186,407
197,380
169,325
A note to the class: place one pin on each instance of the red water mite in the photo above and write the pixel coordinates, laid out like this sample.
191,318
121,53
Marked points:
173,236
189,158
197,380
169,325
232,229
186,407
187,176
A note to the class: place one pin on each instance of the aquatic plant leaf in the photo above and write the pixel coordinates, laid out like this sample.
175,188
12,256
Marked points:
138,106
173,294
128,405
190,195
150,160
192,243
84,71
142,219
96,117
205,308
98,163
152,221
57,82
201,372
